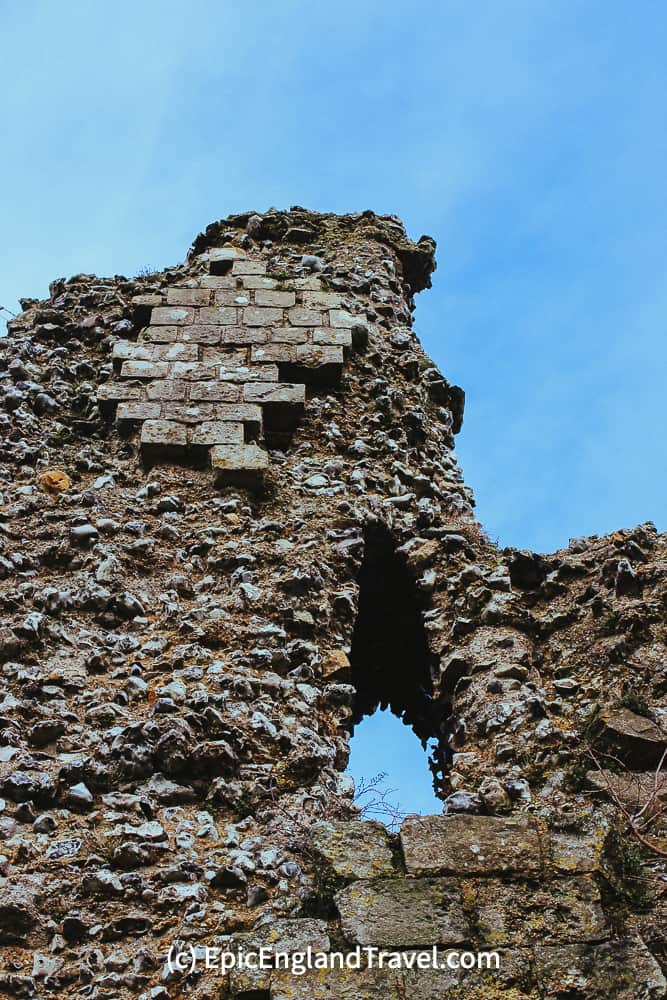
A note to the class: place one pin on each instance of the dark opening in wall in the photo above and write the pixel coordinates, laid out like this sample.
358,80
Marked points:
390,657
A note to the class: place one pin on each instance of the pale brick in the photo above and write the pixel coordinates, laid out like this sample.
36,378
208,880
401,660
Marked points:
137,411
249,267
172,316
330,335
144,369
260,316
223,356
232,297
218,315
162,334
124,350
201,334
311,283
188,413
165,433
113,392
268,392
188,296
273,352
149,300
341,317
321,299
217,432
479,845
214,391
315,355
305,317
223,253
242,335
166,389
258,281
239,458
192,371
175,352
264,297
249,373
217,281
246,413
289,335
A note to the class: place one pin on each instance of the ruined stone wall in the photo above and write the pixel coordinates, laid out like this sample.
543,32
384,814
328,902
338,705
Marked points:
232,524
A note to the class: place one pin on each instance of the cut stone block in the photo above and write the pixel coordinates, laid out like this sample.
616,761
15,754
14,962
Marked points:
267,297
321,299
471,845
168,388
217,315
273,352
188,296
232,296
246,413
172,316
200,334
145,369
222,253
214,391
258,281
260,316
249,267
305,317
269,392
331,335
314,355
356,849
213,432
249,373
192,413
193,371
164,434
242,335
288,335
242,464
130,412
175,352
150,300
126,349
114,392
217,281
623,969
403,913
162,334
341,317
225,356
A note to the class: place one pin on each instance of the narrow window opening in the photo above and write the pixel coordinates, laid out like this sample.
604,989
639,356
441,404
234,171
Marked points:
391,674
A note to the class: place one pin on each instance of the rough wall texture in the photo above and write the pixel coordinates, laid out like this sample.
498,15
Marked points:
231,524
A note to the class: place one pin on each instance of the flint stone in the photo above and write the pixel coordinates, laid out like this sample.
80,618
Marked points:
355,849
403,913
471,845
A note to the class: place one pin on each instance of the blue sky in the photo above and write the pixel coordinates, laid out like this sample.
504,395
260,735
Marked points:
527,137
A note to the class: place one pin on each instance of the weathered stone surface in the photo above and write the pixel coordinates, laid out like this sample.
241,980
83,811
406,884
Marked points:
165,433
217,432
638,740
355,850
471,845
623,969
403,913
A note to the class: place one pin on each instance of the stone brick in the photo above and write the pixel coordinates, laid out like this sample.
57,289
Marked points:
149,300
113,392
137,411
249,267
249,373
273,352
268,392
260,316
222,253
162,334
188,413
218,315
192,371
340,317
217,432
188,296
242,335
403,913
217,281
355,849
238,458
264,297
172,316
330,335
224,356
175,352
124,350
201,334
258,281
471,844
298,316
288,335
144,369
232,297
314,355
620,969
169,389
321,299
215,391
568,909
165,433
246,413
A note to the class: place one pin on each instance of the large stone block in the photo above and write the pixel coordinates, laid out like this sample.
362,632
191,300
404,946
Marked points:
249,373
355,849
145,369
321,299
403,913
188,413
269,392
332,335
217,315
201,334
567,909
616,970
217,432
219,392
242,335
188,296
164,434
114,392
289,335
172,315
471,845
193,371
175,352
317,355
249,267
132,412
168,388
162,334
341,317
273,352
267,297
299,316
243,464
261,316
